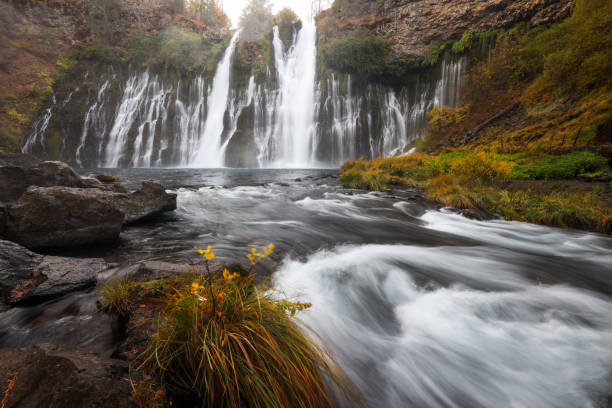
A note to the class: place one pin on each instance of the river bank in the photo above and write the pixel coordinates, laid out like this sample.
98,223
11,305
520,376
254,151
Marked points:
387,274
570,191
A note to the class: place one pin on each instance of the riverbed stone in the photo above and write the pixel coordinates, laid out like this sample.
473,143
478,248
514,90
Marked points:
27,277
43,376
3,218
15,179
63,216
151,199
16,265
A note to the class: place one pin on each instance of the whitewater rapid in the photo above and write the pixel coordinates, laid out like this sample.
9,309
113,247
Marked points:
421,306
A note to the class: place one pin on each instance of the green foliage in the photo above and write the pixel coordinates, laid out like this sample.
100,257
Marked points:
567,166
478,180
117,297
357,53
288,24
573,57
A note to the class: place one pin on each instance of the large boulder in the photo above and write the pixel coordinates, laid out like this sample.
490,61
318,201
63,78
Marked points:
43,377
63,216
15,179
27,277
150,200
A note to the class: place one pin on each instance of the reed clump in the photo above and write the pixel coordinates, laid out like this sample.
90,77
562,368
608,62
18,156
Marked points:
229,342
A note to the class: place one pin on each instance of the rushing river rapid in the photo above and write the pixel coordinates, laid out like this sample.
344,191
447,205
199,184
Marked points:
421,306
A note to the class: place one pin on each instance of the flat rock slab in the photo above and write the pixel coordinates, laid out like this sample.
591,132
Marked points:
42,377
27,277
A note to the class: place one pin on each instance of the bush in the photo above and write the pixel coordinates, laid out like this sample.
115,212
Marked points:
481,168
439,121
357,53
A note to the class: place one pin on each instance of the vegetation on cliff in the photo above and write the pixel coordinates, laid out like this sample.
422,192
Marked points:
538,107
542,88
44,43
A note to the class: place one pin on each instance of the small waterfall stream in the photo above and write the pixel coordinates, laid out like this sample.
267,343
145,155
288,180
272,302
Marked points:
208,153
285,118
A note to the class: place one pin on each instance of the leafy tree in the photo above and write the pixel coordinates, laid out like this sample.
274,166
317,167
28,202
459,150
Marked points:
256,20
209,11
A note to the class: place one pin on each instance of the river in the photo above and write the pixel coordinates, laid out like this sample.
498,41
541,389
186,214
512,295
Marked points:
421,306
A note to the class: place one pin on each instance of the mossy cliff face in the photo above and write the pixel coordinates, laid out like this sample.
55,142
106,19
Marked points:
42,42
413,27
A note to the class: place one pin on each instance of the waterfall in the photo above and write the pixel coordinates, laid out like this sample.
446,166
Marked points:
38,130
190,116
296,68
208,153
284,117
94,118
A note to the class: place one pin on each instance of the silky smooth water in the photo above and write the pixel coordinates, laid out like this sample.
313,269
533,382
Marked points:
421,306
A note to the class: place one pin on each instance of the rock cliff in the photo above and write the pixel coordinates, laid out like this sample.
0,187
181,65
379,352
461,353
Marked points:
414,26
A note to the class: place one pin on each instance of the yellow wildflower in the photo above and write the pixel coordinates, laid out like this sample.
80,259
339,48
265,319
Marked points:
210,255
229,276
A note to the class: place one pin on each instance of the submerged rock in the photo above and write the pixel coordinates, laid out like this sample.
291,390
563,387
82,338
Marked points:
42,377
27,277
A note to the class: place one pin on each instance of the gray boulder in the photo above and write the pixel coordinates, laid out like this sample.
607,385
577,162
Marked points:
27,277
150,200
63,216
43,376
3,218
14,180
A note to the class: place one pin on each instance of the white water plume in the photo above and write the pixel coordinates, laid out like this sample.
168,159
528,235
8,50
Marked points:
208,153
406,340
296,68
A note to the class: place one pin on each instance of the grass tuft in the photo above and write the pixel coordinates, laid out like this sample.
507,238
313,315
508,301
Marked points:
233,345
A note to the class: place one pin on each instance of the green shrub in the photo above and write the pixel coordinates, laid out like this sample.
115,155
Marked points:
565,166
357,53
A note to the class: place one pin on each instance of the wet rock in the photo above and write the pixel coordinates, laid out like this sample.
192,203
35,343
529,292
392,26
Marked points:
42,377
27,277
16,265
3,218
14,180
476,214
63,216
56,276
153,270
150,200
414,26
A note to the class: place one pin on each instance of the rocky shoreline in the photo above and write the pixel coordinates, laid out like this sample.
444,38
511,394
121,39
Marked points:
46,205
